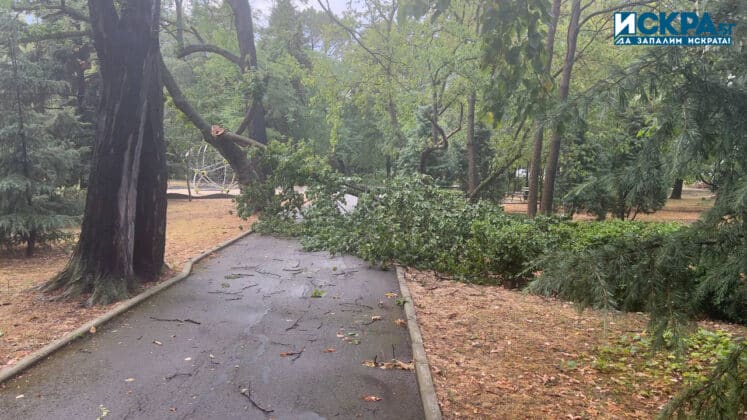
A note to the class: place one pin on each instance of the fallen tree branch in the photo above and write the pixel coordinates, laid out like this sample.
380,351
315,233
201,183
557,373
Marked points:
247,392
182,321
181,102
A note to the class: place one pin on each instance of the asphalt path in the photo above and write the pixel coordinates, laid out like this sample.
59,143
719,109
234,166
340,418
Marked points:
259,330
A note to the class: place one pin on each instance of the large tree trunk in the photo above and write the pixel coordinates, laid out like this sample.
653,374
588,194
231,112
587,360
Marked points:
551,169
123,233
677,190
536,162
242,16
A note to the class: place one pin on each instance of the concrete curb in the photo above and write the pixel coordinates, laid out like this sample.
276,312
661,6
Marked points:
49,349
422,370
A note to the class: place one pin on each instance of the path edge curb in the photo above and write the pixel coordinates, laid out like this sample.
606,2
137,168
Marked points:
422,370
124,306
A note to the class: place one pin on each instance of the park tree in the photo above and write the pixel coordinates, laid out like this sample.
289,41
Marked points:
122,237
39,155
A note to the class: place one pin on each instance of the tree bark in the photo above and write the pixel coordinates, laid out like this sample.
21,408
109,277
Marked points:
536,161
179,23
677,190
123,233
471,152
242,16
551,169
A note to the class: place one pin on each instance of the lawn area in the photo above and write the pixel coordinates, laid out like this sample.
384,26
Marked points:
493,350
29,321
687,210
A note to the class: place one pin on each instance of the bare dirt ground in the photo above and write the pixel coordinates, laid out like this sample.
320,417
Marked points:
28,321
497,353
687,210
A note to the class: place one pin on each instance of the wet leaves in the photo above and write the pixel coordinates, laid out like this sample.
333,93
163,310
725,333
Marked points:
317,293
392,364
349,337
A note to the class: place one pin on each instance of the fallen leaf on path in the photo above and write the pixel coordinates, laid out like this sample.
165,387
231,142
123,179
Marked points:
390,295
398,364
92,330
393,364
376,318
371,398
158,343
187,359
330,350
400,322
130,380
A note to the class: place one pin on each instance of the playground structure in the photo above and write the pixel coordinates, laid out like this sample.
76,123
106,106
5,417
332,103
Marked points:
208,175
209,172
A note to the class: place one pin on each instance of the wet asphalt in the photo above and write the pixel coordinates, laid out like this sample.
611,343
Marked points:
244,337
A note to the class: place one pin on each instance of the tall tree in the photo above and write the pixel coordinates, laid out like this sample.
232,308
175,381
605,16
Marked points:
38,157
535,163
122,238
551,168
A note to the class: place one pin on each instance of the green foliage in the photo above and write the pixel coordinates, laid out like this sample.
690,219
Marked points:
413,221
722,395
40,156
633,355
625,178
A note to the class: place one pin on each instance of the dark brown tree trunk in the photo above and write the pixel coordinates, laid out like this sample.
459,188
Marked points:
535,164
471,152
551,169
123,233
242,17
434,130
677,190
31,243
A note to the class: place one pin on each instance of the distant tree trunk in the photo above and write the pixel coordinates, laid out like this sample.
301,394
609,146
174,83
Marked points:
471,152
25,170
31,243
535,164
189,187
242,16
179,23
677,190
123,233
551,169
